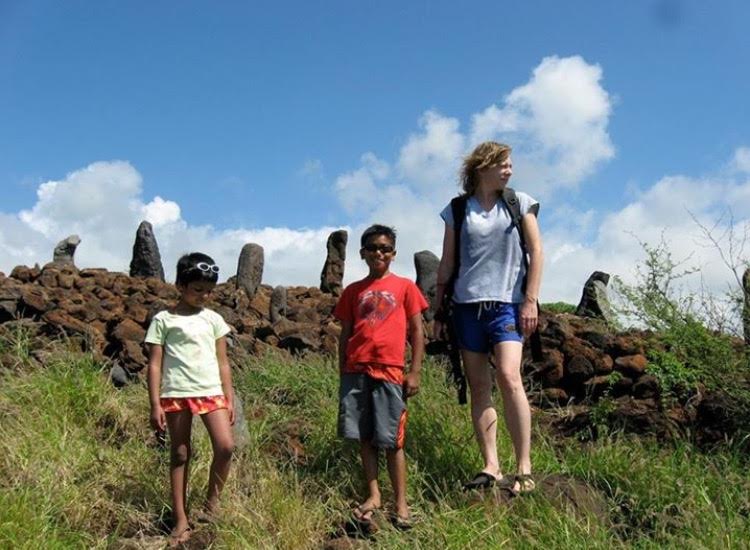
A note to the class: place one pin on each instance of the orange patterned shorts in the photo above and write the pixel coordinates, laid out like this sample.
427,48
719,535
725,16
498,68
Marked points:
196,405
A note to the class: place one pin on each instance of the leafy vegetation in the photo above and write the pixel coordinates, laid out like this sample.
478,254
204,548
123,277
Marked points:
558,307
79,468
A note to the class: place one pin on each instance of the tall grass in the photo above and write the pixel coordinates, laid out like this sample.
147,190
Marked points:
79,468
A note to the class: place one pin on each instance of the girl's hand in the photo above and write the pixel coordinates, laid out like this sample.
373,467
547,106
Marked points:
528,317
158,418
230,410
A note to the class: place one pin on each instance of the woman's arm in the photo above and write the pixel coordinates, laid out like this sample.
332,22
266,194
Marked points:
225,373
534,275
158,418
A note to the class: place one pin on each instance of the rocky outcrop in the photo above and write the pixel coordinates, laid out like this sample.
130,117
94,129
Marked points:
65,250
426,265
332,276
250,268
146,260
595,301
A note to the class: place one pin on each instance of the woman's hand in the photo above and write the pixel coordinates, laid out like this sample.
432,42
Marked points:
158,418
437,330
529,318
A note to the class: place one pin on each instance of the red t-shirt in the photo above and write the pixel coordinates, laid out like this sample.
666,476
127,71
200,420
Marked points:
379,309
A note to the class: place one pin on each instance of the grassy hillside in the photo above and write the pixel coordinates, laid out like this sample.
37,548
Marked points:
79,468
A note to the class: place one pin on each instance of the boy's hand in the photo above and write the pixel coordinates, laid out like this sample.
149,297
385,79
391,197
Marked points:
411,384
158,418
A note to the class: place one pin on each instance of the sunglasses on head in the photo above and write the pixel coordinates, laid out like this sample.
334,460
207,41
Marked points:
203,266
384,248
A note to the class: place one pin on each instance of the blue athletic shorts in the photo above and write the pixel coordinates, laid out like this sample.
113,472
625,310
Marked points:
481,325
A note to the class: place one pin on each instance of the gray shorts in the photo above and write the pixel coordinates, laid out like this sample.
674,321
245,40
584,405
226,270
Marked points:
372,410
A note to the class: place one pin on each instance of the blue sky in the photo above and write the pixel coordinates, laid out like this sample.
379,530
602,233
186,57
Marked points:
269,122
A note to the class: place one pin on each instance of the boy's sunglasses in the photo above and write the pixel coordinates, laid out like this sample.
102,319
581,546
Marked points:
384,248
203,266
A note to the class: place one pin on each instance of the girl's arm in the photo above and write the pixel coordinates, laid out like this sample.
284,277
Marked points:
534,276
158,418
416,339
347,327
225,373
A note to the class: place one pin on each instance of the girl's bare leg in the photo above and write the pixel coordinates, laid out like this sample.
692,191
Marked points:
483,414
222,441
179,425
515,403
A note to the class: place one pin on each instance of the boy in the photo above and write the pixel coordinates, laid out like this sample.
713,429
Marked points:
374,315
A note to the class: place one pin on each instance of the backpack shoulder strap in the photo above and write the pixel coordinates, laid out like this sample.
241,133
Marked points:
512,204
458,209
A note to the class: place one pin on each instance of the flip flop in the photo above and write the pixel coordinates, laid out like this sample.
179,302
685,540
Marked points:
360,511
482,480
526,484
401,523
180,538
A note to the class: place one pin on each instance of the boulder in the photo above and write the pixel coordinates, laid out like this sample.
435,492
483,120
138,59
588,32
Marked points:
426,264
146,260
250,268
332,276
595,301
65,249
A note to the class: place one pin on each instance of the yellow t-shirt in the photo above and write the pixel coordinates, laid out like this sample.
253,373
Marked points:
189,365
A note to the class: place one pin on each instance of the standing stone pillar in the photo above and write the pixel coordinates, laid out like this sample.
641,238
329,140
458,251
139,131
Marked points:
250,268
426,264
332,276
146,260
594,300
277,307
65,249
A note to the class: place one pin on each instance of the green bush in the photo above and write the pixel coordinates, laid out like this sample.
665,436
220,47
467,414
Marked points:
558,307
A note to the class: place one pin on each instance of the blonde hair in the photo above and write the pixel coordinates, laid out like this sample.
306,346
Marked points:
484,155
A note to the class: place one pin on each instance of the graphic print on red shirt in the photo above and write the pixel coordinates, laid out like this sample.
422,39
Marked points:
376,305
379,310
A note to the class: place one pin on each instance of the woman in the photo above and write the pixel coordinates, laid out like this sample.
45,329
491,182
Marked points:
495,305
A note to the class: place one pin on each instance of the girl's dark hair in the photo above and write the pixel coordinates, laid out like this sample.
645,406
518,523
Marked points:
188,271
375,231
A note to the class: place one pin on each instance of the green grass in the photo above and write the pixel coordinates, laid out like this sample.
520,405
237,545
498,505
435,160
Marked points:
79,469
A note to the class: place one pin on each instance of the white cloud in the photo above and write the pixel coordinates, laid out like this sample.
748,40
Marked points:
741,161
556,123
103,204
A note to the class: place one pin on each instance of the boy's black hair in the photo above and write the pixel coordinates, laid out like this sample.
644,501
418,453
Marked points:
376,230
187,270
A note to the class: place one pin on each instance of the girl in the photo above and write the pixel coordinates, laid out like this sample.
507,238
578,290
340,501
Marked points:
495,301
188,373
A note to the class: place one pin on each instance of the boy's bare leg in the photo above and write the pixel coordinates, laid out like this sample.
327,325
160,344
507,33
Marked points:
222,441
179,425
397,471
369,455
483,413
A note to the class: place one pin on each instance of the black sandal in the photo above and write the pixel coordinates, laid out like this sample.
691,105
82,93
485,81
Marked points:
482,480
